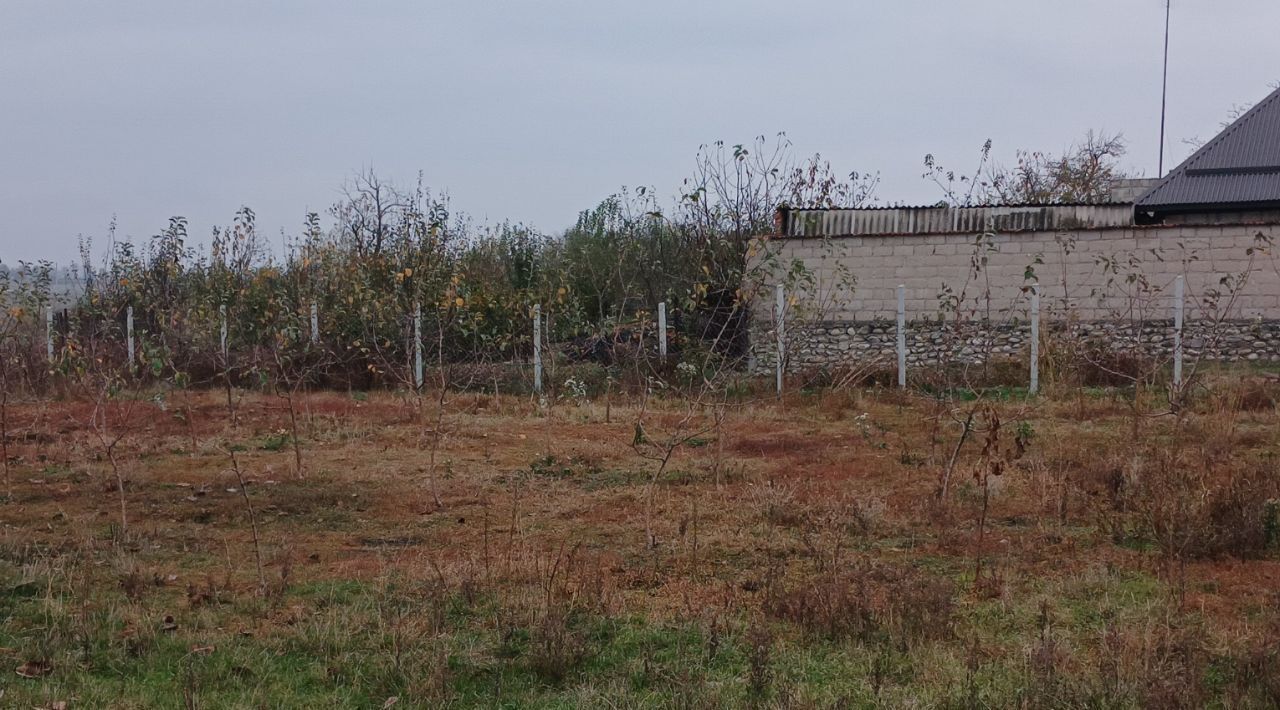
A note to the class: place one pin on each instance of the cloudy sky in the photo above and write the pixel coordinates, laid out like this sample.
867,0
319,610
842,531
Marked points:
533,110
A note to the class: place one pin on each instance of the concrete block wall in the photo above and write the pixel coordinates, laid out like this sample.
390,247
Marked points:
1069,267
1110,275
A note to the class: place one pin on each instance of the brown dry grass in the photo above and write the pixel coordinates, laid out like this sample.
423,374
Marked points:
822,516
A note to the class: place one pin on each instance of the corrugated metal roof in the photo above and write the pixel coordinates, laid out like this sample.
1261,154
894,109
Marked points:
1240,166
953,220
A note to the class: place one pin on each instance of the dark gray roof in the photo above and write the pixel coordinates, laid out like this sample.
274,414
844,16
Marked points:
1238,169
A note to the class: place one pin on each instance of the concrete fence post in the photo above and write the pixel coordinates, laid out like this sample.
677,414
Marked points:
315,324
417,345
48,332
1035,340
128,327
662,332
1178,286
222,311
537,349
781,318
902,336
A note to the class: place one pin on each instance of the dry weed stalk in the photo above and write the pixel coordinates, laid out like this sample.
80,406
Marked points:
253,520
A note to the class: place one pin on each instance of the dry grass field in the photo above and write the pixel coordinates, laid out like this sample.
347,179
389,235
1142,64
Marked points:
1093,550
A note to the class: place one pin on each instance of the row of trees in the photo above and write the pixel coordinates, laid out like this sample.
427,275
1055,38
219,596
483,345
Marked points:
234,311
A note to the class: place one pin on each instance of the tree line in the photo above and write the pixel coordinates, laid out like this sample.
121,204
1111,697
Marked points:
397,265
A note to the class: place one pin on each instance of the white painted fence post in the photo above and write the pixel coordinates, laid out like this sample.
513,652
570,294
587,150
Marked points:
537,349
48,332
781,307
1178,285
315,324
662,331
417,345
222,311
902,336
1035,340
128,327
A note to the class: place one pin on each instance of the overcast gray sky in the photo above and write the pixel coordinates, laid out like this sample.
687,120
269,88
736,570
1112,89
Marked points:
535,110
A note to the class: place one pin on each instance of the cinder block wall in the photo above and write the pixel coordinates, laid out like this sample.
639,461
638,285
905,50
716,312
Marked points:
1069,267
1091,275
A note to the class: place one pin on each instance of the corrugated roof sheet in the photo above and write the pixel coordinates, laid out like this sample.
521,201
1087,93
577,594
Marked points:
1240,166
952,220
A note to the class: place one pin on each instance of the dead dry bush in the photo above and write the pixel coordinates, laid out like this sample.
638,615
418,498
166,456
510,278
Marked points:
557,646
1101,482
775,502
1190,502
826,529
1194,511
1171,662
883,377
838,404
546,625
1157,664
1257,671
1070,360
409,621
994,373
843,376
868,602
1250,394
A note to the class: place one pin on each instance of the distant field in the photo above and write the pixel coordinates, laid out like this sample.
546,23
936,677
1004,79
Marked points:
1090,552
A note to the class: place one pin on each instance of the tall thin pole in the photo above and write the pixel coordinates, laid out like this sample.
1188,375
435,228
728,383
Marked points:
222,311
48,332
128,326
537,349
662,331
1177,332
417,345
1164,92
315,324
902,336
1035,339
782,333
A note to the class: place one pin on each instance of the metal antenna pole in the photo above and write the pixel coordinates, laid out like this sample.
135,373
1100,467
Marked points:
1164,93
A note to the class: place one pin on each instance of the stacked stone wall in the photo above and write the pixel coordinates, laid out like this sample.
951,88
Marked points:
929,344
